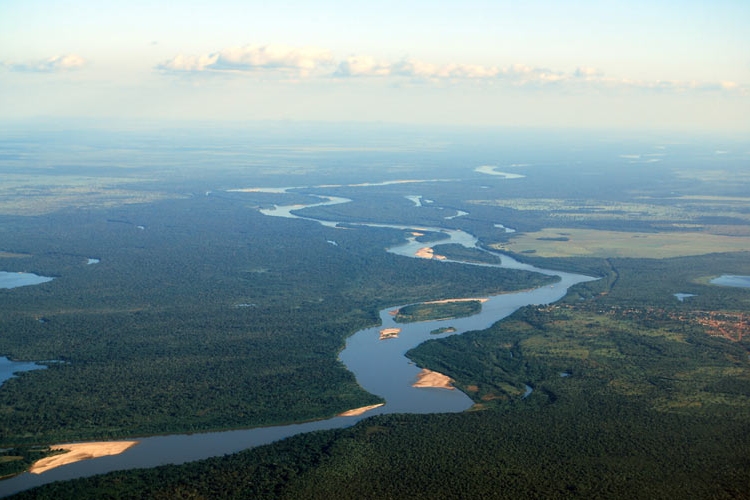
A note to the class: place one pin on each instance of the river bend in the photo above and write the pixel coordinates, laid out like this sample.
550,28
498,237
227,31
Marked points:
380,367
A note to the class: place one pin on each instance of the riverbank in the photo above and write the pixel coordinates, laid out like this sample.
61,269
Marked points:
429,378
379,368
76,452
428,253
359,411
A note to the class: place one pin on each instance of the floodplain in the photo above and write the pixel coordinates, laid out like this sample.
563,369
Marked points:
204,313
574,242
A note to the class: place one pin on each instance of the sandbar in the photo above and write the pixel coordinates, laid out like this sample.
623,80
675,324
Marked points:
429,378
389,333
447,301
80,451
359,411
429,253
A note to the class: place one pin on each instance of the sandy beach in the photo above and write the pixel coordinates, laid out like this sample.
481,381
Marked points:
428,253
429,378
447,301
80,451
359,411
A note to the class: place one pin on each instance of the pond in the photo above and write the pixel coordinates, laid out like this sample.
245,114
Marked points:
682,296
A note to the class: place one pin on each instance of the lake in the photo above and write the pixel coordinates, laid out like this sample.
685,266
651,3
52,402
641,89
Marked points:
732,280
9,368
14,280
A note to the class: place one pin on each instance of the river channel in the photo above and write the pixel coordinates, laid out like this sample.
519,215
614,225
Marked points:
380,367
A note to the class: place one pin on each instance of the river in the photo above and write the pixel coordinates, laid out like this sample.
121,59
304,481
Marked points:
379,366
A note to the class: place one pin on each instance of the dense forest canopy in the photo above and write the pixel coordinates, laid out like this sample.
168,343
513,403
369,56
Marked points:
202,313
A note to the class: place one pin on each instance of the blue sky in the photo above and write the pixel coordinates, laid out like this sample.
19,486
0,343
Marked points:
678,65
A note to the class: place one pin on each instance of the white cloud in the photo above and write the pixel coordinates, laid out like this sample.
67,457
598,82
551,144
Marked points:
521,74
188,63
313,61
587,73
363,66
675,86
299,60
54,64
419,69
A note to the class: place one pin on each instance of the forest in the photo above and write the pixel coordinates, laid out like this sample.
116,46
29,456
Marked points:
627,402
200,313
431,310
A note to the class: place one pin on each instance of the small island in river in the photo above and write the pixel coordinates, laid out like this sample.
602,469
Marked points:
443,329
442,309
389,333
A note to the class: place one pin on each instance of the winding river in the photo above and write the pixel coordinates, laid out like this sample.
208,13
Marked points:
380,367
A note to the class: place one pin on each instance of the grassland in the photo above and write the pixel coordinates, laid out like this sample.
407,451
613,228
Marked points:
568,242
42,194
685,208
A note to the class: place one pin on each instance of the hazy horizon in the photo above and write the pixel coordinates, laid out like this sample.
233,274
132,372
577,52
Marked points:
680,66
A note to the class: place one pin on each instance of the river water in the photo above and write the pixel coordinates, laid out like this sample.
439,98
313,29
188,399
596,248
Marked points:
379,366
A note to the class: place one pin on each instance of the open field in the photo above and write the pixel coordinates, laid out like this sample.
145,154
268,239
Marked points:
566,242
688,208
11,255
43,194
